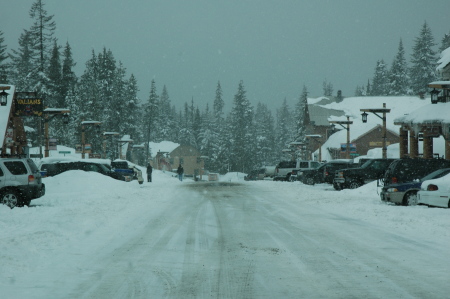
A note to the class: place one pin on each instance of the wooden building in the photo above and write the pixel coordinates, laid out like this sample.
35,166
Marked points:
13,139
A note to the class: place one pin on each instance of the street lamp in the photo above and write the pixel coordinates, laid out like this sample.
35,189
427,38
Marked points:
3,97
94,123
347,122
435,96
49,114
383,110
316,138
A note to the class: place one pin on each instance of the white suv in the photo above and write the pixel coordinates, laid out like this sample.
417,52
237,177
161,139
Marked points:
20,182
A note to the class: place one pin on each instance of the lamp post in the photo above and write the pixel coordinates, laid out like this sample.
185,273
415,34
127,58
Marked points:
112,134
49,114
83,128
316,138
347,122
383,110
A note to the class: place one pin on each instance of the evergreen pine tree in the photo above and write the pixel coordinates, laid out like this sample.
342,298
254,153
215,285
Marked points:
69,79
423,61
3,57
54,73
24,69
218,158
445,43
398,75
41,32
151,115
285,130
380,80
301,116
265,136
242,142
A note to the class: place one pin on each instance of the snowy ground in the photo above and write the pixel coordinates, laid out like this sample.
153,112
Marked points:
47,249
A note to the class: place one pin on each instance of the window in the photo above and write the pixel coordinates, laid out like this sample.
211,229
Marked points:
16,167
303,165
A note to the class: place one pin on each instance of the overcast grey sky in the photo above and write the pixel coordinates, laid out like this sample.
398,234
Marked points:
274,46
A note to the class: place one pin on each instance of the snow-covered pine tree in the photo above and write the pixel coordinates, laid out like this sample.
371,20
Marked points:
54,97
69,79
219,154
24,65
285,130
242,144
151,115
131,110
423,61
301,116
445,42
166,120
327,89
398,74
380,80
368,89
265,136
3,56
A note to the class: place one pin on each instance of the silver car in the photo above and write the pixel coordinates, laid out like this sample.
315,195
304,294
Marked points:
20,182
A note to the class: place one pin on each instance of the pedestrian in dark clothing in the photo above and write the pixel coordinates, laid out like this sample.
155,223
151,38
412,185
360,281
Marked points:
180,172
149,172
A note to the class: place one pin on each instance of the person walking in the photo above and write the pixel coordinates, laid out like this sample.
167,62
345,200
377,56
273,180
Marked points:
180,172
149,172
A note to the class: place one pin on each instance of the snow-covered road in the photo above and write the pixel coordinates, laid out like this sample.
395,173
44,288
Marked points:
173,239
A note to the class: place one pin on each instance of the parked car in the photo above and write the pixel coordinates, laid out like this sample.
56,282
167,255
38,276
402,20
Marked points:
435,192
325,172
58,167
296,174
283,170
406,193
353,178
407,170
20,182
255,175
129,171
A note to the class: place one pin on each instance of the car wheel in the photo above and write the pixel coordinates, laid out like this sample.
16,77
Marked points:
10,198
354,185
309,181
410,199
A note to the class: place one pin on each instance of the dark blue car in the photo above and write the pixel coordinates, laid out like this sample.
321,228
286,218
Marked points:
406,193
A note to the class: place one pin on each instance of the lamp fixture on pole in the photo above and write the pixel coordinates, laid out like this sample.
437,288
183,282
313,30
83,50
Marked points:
435,95
49,114
4,98
347,122
383,110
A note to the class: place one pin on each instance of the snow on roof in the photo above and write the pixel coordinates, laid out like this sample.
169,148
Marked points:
431,113
445,59
163,146
400,106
